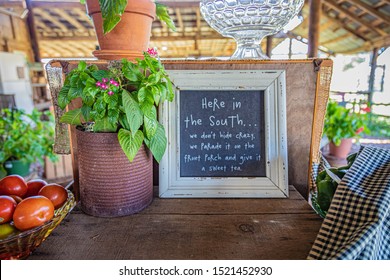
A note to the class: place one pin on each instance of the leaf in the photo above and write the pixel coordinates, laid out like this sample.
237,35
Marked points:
104,125
75,92
88,100
100,74
132,110
72,117
162,14
100,107
158,143
162,94
85,110
141,95
82,65
123,122
171,93
63,99
113,115
150,121
150,126
131,71
130,144
84,77
74,79
154,78
111,100
111,13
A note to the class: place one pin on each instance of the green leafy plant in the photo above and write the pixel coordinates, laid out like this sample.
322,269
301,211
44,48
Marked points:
26,137
122,98
379,126
112,12
341,123
327,182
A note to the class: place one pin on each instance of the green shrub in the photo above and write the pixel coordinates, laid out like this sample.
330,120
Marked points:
26,137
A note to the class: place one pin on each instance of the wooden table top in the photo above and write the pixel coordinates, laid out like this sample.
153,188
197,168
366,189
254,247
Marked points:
187,229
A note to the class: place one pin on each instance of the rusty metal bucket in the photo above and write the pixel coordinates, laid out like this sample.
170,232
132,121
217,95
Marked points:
111,186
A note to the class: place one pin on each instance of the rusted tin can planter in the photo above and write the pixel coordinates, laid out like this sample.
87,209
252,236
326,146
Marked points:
111,186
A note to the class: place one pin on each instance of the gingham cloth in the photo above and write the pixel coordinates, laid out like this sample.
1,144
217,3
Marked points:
357,225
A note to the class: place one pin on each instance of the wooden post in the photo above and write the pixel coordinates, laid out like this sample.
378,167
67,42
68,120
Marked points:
268,51
374,58
290,48
31,30
314,27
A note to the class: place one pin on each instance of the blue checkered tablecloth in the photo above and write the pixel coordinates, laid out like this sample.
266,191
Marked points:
357,225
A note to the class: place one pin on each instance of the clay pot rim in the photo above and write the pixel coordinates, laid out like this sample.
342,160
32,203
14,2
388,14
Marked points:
131,8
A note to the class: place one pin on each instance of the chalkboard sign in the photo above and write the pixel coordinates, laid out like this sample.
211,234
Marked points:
222,133
226,133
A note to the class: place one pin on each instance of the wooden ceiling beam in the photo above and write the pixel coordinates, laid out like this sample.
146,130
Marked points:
63,14
334,5
68,38
49,17
326,25
347,28
335,40
56,4
187,38
180,24
371,10
369,46
180,4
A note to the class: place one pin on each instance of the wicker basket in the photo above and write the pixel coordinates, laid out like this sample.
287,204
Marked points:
20,246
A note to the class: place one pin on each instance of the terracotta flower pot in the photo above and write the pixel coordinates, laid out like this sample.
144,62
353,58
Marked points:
342,150
110,185
130,38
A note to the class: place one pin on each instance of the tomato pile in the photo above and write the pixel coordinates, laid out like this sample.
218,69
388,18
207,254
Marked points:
26,205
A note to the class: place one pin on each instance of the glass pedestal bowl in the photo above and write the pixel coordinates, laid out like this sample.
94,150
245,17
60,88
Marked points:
249,21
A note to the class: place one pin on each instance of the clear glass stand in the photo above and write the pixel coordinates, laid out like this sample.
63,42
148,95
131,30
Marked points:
249,21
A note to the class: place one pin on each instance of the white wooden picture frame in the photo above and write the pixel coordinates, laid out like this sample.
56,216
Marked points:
275,183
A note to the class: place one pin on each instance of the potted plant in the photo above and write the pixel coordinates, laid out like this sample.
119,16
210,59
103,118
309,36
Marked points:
123,27
341,126
25,139
117,131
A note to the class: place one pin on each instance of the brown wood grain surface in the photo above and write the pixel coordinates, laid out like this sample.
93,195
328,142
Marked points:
190,229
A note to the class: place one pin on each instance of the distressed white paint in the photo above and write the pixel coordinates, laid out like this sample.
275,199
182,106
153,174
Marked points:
275,184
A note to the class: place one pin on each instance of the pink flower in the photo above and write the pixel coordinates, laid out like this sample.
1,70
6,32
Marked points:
359,130
152,52
104,80
98,84
114,83
110,93
367,109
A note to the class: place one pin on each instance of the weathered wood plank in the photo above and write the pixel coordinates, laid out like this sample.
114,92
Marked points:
145,236
190,229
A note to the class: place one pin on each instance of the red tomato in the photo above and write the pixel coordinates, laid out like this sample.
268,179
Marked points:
7,208
34,186
13,184
32,212
17,199
56,193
